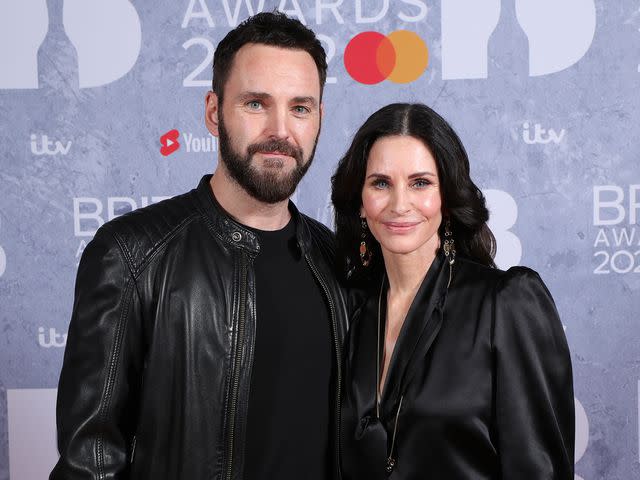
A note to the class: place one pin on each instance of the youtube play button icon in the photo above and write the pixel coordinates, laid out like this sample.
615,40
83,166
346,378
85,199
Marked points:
169,142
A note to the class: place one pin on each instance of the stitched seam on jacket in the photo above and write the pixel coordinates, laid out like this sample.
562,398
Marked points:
111,374
228,378
136,270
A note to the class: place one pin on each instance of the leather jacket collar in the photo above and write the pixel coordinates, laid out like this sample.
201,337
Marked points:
237,234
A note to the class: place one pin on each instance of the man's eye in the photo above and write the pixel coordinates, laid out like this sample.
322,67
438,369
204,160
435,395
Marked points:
301,110
254,105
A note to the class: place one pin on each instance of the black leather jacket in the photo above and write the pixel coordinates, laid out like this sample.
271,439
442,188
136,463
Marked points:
156,374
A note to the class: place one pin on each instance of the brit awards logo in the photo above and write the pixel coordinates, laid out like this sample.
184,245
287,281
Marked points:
554,35
90,213
616,211
101,37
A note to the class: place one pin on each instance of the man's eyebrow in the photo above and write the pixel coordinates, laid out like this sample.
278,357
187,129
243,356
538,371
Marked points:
245,96
309,100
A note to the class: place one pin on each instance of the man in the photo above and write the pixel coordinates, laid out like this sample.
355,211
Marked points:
205,336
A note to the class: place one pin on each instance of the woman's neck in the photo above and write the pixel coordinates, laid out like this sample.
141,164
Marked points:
406,271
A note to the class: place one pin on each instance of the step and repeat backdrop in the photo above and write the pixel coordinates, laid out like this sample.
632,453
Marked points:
101,112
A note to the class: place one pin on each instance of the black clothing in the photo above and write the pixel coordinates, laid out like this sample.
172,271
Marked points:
288,423
156,374
484,375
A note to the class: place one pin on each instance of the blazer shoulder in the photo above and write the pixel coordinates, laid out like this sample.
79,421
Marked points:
520,278
524,300
476,272
141,232
497,278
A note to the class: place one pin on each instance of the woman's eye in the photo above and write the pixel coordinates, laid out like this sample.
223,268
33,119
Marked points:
421,183
380,183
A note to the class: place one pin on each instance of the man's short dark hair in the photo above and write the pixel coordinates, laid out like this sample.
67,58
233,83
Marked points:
266,28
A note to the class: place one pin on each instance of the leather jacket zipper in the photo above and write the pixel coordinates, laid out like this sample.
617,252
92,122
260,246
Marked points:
334,325
235,381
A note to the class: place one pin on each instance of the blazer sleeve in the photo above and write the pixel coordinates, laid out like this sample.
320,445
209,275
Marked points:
101,369
534,405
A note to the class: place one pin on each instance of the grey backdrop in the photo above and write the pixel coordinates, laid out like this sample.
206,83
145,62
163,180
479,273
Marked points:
547,107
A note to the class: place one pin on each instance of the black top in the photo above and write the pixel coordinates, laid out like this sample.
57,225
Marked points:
289,415
480,376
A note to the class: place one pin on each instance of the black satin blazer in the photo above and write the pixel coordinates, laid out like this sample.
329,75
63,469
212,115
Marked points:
480,375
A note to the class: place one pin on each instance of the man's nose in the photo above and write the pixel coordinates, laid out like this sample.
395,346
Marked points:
278,123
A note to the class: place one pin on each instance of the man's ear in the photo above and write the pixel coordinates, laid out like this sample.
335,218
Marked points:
321,110
211,110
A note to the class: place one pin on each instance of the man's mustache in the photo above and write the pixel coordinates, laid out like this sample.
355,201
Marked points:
276,145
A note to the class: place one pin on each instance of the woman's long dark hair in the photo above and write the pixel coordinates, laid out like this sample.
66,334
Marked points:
463,202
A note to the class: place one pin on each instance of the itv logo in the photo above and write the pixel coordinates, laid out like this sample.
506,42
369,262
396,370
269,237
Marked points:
106,35
48,338
48,147
559,34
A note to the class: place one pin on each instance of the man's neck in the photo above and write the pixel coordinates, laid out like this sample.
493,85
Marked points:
244,208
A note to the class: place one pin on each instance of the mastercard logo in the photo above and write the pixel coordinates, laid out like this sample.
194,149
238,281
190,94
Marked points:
371,57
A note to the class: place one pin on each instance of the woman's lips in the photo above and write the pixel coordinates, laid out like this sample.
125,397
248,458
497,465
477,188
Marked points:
400,227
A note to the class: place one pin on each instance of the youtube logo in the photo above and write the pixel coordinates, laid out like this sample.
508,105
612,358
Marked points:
169,142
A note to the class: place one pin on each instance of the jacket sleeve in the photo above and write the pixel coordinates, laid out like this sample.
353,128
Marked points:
534,407
100,376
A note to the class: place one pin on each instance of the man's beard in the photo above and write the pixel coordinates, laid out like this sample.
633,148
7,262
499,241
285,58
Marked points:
265,186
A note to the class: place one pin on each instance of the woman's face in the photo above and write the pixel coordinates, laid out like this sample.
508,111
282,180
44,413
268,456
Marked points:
401,196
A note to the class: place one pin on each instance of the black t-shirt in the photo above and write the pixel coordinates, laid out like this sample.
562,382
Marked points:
289,415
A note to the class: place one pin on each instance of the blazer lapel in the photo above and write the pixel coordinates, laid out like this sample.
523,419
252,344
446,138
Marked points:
419,330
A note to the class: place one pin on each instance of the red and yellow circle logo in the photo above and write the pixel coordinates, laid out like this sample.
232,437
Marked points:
371,57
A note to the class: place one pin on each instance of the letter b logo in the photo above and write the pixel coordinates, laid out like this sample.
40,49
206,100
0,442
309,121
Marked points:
3,261
503,215
559,33
106,35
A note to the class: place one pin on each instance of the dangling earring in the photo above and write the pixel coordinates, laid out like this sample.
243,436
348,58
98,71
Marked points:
365,254
449,246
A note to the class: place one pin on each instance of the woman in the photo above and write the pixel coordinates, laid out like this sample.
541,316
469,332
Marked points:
454,369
